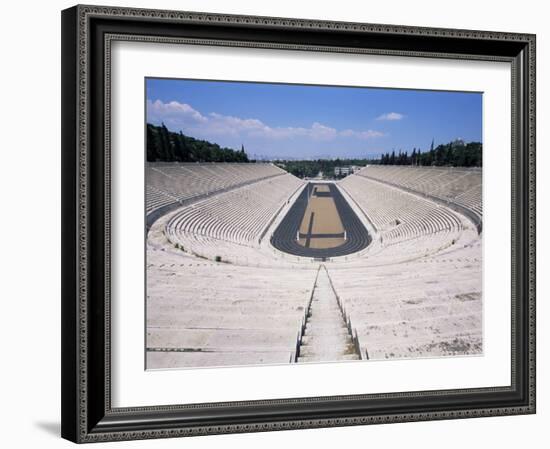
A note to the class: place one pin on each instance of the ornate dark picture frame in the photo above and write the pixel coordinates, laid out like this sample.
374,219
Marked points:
87,413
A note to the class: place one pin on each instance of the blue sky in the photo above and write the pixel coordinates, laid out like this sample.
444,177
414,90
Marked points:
299,121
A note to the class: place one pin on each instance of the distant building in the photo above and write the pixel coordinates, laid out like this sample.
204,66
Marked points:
347,170
342,171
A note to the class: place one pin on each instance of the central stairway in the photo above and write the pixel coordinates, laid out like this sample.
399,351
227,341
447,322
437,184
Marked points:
326,337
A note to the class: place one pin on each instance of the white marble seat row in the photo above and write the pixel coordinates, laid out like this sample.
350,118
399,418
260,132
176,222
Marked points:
406,221
234,219
459,185
424,308
178,182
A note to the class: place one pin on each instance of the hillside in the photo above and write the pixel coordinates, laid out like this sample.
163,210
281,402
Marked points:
167,146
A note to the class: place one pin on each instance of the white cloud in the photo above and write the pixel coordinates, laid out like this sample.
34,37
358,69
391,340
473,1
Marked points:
391,116
182,116
369,134
173,111
322,132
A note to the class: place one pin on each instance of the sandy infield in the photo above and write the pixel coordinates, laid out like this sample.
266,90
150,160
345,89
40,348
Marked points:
321,217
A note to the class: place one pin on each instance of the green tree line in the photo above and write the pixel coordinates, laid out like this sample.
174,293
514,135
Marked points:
168,146
455,154
311,168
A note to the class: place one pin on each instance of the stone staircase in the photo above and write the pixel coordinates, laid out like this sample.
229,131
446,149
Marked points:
326,337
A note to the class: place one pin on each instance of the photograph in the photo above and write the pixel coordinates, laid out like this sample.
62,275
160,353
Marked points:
298,223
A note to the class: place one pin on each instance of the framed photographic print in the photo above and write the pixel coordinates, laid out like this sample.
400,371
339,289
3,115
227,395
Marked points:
284,223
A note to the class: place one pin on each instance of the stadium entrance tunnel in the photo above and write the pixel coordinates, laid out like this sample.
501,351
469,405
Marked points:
320,224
